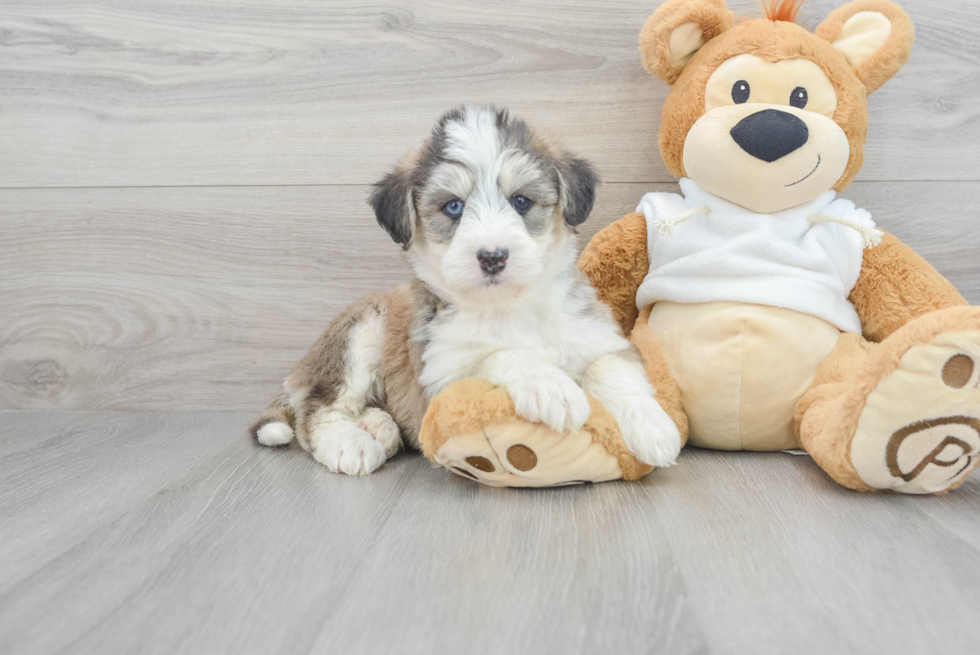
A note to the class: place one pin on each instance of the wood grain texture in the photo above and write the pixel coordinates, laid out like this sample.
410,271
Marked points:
170,532
208,92
203,298
182,210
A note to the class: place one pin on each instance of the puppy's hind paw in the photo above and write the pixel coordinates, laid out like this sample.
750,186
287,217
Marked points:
343,447
382,427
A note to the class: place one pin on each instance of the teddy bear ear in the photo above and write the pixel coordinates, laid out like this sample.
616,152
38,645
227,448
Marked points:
677,30
875,36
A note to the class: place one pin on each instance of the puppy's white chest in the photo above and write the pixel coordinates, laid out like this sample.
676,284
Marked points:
458,344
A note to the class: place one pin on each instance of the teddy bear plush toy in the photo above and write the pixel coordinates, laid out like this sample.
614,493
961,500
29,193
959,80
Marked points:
787,319
771,314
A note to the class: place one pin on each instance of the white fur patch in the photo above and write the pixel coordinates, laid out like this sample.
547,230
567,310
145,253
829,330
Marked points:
548,396
343,447
622,387
296,396
361,376
381,426
274,434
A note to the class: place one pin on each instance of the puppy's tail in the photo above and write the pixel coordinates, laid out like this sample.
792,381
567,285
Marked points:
275,426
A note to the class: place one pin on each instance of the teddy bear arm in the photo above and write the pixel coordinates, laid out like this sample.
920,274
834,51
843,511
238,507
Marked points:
616,262
897,285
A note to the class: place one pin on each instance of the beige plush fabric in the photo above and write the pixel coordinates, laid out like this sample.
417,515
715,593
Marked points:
741,369
525,454
472,421
923,418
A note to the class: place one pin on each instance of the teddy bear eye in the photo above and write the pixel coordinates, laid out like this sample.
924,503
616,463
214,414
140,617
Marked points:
799,97
741,92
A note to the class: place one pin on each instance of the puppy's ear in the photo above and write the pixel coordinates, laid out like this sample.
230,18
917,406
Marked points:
577,182
875,36
677,30
394,206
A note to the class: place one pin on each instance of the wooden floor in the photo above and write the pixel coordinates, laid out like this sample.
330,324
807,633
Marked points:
182,211
168,532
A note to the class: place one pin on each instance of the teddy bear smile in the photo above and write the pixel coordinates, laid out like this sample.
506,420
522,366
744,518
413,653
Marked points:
808,174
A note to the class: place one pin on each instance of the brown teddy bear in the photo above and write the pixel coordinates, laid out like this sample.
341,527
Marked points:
786,317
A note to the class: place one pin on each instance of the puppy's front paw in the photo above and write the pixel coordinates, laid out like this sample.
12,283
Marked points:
343,447
553,398
647,431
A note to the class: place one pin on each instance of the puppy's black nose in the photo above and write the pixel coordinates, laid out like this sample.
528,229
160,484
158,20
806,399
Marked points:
492,262
770,134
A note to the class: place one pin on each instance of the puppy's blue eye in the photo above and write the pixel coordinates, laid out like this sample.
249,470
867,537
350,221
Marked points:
521,203
453,208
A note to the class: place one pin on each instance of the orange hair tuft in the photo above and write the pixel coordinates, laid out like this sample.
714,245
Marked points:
784,10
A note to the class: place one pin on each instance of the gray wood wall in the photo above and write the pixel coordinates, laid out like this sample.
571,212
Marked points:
183,184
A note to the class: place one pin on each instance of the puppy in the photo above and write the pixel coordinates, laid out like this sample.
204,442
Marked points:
487,212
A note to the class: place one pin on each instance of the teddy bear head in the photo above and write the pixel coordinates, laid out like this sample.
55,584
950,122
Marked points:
764,113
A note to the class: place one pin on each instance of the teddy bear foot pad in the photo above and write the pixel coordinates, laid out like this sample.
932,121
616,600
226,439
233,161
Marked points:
527,455
920,430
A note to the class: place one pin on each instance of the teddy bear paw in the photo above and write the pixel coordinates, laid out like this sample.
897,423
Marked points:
528,455
920,430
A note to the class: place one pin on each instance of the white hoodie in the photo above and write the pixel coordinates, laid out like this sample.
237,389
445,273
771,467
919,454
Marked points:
732,254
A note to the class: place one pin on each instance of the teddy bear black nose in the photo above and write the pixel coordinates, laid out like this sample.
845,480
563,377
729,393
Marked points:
770,134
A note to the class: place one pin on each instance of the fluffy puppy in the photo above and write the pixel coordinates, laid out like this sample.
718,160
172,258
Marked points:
487,212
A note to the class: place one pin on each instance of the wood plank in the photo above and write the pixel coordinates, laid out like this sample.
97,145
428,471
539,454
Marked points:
76,453
146,491
208,92
764,532
203,298
162,532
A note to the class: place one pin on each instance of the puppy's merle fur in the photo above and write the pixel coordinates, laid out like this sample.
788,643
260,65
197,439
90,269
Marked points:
487,212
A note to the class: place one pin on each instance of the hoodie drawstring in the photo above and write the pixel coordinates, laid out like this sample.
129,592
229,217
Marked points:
665,226
871,236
